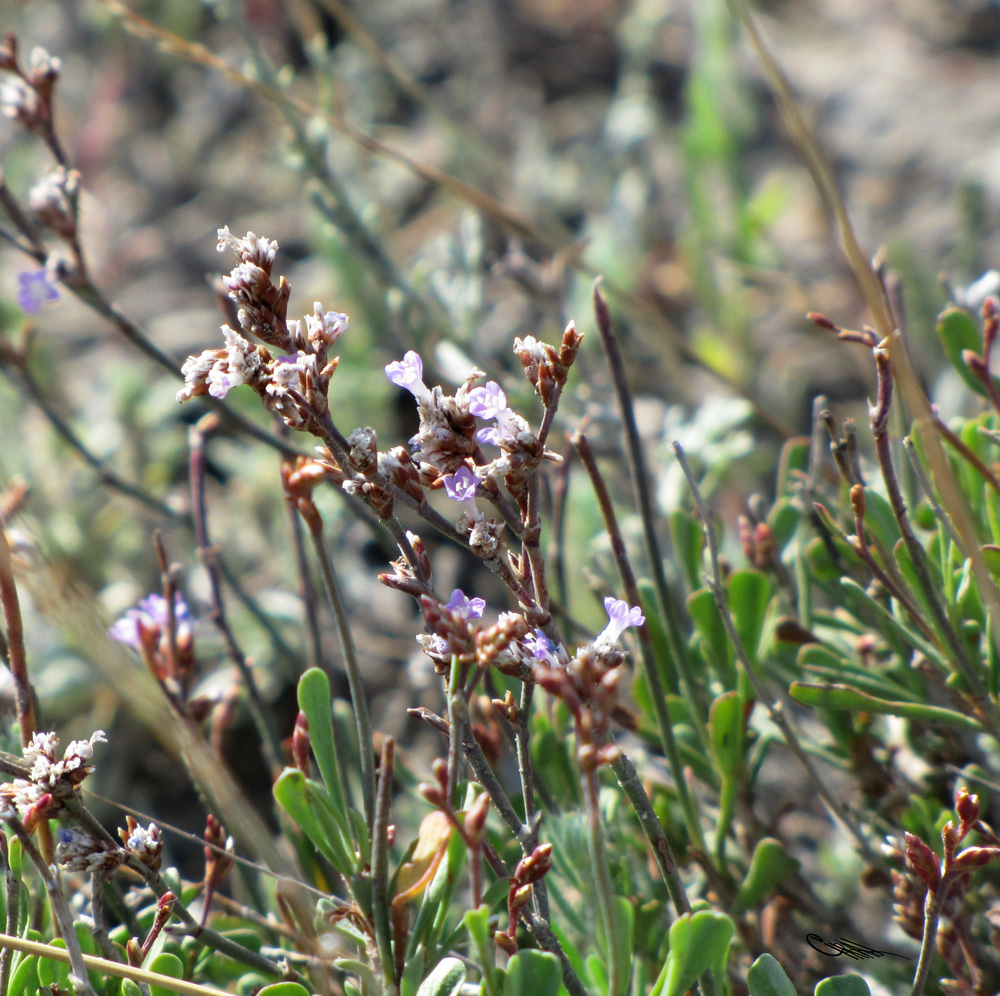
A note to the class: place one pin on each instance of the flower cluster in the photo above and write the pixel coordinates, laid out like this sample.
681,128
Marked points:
294,384
147,630
51,779
587,682
27,97
83,852
146,845
453,633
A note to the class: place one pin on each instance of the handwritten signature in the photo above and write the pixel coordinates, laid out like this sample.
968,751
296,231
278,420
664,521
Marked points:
840,946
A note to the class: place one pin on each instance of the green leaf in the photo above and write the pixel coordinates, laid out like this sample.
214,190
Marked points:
658,637
292,792
477,923
767,978
283,989
866,608
697,942
770,865
54,973
130,988
844,697
24,977
880,522
445,980
166,963
717,651
315,702
784,519
437,897
958,331
15,858
749,597
725,727
843,985
532,973
623,924
689,545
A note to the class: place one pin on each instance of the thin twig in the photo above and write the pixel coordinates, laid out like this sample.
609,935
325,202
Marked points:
650,670
270,741
351,665
380,865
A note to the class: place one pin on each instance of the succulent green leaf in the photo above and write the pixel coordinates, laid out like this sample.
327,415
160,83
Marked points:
623,932
843,985
784,519
717,651
166,963
532,973
749,597
725,727
292,792
445,980
15,858
689,545
958,331
770,865
767,978
844,697
880,522
283,989
658,637
24,978
315,702
54,973
697,942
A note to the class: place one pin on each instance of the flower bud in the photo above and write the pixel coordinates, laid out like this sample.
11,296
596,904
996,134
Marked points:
967,807
923,861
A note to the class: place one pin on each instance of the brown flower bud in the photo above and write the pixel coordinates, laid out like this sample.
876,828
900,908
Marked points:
967,807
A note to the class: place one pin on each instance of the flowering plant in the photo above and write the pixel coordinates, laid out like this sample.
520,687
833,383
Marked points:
533,796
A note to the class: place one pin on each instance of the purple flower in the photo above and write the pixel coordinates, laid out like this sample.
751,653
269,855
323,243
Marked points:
34,291
488,401
408,373
461,486
507,429
541,648
326,326
620,617
152,614
467,608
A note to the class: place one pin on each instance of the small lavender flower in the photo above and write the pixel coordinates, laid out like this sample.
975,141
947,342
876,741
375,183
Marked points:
620,618
152,613
461,486
509,432
34,290
326,327
541,648
408,373
487,401
467,608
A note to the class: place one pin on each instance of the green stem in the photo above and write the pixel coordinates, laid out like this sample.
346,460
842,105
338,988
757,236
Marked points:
351,665
602,882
